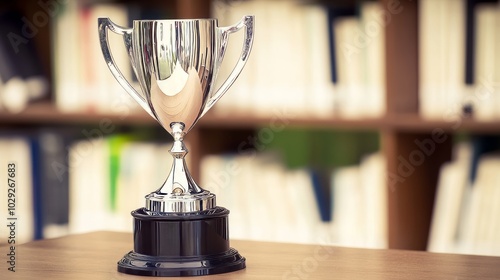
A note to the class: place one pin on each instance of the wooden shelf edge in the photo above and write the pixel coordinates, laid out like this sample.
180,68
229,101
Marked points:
246,121
48,114
414,123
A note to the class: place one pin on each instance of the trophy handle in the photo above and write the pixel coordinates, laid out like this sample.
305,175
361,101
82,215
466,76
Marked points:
104,25
248,23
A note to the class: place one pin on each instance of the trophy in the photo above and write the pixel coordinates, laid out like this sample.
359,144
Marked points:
180,231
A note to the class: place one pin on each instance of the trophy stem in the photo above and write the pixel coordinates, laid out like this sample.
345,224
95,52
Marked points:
179,192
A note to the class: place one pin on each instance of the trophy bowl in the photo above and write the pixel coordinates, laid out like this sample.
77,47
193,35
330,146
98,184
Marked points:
180,231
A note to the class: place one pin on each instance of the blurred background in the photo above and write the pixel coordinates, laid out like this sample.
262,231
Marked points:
356,123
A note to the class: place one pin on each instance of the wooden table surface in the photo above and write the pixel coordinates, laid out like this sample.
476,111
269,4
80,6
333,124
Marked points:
94,256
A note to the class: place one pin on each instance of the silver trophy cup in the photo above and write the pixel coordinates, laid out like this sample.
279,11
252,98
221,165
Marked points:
180,231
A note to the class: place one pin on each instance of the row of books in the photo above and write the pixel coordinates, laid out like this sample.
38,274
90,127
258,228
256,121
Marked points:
326,61
468,200
307,59
82,80
112,179
22,79
458,60
65,184
304,64
270,202
69,184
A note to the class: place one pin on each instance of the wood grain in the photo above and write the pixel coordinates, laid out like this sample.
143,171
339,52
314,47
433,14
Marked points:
94,256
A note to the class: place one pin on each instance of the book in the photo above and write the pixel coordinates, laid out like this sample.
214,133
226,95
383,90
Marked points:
485,103
454,180
21,72
478,231
54,181
110,176
89,199
467,199
359,203
295,54
82,80
67,64
441,58
16,161
249,185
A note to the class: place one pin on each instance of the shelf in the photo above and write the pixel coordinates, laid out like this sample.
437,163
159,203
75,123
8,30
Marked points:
246,121
48,114
414,123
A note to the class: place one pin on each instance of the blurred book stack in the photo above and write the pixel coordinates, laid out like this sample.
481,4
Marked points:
22,79
110,177
82,80
309,59
70,185
459,67
270,202
468,200
16,150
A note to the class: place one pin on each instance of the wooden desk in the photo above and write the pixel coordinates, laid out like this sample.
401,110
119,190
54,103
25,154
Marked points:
93,256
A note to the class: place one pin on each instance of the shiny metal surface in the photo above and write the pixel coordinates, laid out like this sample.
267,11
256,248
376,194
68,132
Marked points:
176,63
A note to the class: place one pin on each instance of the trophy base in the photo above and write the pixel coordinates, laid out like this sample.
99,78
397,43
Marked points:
181,244
137,264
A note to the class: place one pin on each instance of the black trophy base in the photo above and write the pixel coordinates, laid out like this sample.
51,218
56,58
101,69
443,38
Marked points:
144,265
189,244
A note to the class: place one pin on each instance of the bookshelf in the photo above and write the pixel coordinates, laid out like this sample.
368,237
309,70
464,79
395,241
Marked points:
45,113
410,200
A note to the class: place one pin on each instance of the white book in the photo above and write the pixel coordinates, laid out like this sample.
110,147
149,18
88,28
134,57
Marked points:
306,215
215,178
496,75
429,53
238,96
293,58
453,181
227,177
372,27
488,182
373,174
478,226
349,72
254,193
494,229
241,190
441,57
109,96
87,84
134,181
454,51
17,151
264,227
348,208
320,88
89,187
143,168
67,65
485,104
283,213
273,77
249,186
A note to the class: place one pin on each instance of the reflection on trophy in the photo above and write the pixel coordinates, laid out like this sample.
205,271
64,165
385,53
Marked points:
180,231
